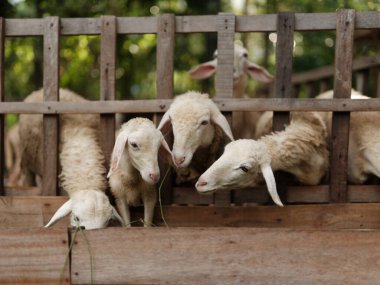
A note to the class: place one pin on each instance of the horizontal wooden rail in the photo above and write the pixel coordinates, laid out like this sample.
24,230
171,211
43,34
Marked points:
188,24
161,105
328,71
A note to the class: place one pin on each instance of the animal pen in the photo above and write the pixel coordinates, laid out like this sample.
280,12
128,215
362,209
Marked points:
325,234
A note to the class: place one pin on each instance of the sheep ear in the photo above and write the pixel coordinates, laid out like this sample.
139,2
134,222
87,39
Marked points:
204,70
165,152
63,211
258,72
115,215
271,183
218,119
118,151
165,120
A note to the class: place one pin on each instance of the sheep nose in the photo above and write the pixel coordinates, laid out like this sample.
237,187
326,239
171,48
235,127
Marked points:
154,176
201,183
179,160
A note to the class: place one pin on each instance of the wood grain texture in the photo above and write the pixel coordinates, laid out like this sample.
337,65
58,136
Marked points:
50,122
227,256
30,211
33,256
2,118
342,89
107,83
188,24
284,63
166,26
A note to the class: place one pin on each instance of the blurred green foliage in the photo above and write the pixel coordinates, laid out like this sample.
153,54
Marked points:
136,54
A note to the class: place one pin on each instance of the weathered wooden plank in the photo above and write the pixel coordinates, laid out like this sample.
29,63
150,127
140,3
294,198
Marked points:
201,256
50,122
377,83
22,191
342,89
161,105
164,86
107,83
2,117
33,256
328,71
29,211
189,195
188,24
284,57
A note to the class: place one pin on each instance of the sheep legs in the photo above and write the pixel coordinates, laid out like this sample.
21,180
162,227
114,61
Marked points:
124,211
149,199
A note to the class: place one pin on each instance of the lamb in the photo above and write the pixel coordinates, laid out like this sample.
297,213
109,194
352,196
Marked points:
243,123
83,173
300,149
13,155
134,167
199,130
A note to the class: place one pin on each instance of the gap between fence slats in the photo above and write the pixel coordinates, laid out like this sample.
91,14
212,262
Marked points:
51,93
342,89
107,83
2,116
164,85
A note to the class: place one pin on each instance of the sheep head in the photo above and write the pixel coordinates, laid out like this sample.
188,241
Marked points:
242,67
140,142
242,165
90,209
193,117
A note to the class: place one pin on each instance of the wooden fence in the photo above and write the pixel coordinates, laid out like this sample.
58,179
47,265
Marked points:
152,249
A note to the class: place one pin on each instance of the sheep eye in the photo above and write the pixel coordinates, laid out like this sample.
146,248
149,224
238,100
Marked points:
76,219
245,55
244,168
204,123
134,145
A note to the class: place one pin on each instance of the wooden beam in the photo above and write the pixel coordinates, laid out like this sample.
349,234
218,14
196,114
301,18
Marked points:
51,93
107,83
2,117
201,256
164,85
342,89
33,256
189,24
284,62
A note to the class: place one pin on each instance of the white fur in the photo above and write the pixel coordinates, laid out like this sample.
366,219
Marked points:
134,167
243,123
83,173
197,123
300,150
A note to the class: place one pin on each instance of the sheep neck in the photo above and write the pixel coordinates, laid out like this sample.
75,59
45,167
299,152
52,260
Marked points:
274,144
239,86
127,167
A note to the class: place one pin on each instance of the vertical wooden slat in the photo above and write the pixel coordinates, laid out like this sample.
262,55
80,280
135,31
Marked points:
324,86
2,117
284,56
224,76
51,93
377,82
164,85
362,78
107,83
342,89
311,89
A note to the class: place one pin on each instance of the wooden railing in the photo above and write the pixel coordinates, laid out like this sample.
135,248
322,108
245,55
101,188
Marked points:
225,25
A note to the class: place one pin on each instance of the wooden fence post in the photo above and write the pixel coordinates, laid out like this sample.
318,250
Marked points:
345,24
107,83
164,85
2,117
224,76
51,93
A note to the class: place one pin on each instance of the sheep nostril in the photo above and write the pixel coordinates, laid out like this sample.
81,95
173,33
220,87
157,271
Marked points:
201,183
179,160
154,176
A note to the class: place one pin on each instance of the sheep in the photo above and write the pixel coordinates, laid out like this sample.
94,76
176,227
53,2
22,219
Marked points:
300,149
83,172
134,167
243,123
198,128
13,155
363,140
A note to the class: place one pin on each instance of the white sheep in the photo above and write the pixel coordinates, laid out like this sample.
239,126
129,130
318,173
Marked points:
243,123
300,149
13,155
83,173
134,167
198,128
